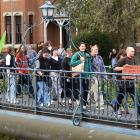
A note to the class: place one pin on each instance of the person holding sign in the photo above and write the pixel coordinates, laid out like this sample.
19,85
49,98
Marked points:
127,85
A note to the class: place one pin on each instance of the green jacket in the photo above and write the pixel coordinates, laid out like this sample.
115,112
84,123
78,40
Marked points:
75,60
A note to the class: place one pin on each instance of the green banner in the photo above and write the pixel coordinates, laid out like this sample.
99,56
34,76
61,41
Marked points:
2,41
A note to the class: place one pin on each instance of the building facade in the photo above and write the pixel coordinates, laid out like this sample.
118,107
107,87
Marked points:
17,16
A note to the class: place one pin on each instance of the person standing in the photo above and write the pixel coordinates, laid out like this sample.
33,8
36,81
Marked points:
43,97
55,64
126,86
79,57
24,79
10,63
67,78
97,66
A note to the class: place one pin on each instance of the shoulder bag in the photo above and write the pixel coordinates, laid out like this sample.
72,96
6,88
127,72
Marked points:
78,69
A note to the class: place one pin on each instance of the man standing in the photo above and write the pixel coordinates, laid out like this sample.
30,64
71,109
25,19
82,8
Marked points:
67,78
127,85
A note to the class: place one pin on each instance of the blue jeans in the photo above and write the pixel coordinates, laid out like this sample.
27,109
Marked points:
11,88
43,96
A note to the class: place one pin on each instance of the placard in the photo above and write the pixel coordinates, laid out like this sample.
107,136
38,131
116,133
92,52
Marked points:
131,69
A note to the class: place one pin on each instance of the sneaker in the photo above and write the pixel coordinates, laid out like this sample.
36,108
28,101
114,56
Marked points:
117,113
84,107
63,101
61,104
41,105
52,101
49,104
77,102
8,100
14,101
100,108
70,101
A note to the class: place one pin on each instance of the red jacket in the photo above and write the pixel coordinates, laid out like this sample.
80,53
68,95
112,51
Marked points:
22,62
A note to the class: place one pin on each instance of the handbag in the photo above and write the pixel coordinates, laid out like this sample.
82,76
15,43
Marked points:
78,69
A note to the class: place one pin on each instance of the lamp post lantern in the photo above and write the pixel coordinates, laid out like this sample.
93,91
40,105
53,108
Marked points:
47,10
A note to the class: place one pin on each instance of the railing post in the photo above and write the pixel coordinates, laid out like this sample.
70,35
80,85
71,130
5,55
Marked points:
4,87
81,97
35,90
136,101
76,120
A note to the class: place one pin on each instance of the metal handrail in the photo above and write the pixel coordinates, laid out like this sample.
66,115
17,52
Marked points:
77,112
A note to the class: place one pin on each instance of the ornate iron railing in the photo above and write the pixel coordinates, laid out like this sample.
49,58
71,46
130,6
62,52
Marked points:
89,97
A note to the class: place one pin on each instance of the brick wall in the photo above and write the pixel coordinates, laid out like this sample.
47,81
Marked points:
26,7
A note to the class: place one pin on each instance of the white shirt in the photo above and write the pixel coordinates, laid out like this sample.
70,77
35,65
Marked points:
55,58
8,59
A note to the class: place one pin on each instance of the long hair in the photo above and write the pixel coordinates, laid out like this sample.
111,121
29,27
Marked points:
20,52
122,52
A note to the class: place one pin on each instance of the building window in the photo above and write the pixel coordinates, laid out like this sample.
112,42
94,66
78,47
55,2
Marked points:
31,30
18,29
8,29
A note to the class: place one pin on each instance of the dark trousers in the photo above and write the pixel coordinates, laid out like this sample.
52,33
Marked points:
124,88
25,80
67,88
85,89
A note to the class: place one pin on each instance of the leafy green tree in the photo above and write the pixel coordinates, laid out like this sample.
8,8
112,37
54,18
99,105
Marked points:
118,17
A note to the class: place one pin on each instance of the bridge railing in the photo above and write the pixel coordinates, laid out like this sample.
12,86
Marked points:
101,97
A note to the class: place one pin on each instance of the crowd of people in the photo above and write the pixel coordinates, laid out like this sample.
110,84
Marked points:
50,82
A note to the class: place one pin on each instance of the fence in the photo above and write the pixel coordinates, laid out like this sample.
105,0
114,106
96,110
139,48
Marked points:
101,97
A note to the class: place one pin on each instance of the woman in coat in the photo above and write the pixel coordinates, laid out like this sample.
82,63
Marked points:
79,57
